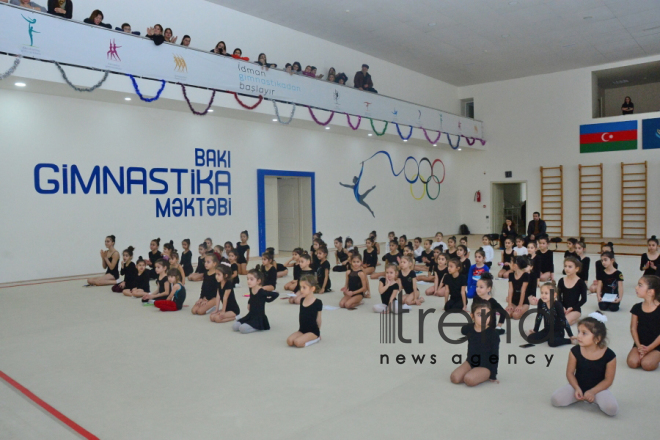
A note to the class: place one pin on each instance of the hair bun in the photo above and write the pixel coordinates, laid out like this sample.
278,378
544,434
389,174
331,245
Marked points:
131,248
598,317
653,237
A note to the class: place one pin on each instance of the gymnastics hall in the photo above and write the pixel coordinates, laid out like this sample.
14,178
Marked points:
163,160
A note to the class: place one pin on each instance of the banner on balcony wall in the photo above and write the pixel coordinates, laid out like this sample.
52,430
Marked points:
49,38
651,133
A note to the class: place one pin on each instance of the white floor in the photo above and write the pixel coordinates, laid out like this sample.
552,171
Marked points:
124,371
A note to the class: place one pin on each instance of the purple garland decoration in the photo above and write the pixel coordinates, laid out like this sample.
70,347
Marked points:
429,139
470,141
185,95
332,115
348,118
399,131
457,143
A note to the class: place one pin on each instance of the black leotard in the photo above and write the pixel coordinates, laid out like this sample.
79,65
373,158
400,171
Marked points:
302,274
209,287
256,317
370,259
648,325
646,259
142,281
271,276
574,297
407,281
114,272
240,252
387,295
354,281
320,274
130,276
200,265
517,287
481,347
232,305
186,262
308,317
392,259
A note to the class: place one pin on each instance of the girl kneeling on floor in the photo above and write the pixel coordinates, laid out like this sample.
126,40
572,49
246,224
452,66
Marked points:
225,296
256,318
309,318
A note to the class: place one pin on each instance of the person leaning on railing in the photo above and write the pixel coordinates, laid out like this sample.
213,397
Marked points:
363,80
220,49
155,34
97,19
126,28
185,41
61,8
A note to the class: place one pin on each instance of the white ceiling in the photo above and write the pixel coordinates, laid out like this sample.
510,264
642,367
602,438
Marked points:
475,41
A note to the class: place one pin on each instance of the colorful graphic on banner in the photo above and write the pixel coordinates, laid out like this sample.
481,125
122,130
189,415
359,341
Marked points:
113,55
613,136
433,178
31,30
651,133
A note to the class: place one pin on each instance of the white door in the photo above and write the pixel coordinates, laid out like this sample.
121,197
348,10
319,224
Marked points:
288,196
270,193
497,202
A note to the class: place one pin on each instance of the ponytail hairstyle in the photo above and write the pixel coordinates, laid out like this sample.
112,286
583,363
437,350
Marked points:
575,261
258,275
305,256
653,239
463,248
211,256
510,240
268,256
164,263
609,244
129,250
551,285
112,238
298,251
487,278
452,238
572,241
456,262
246,233
169,246
522,262
597,327
140,260
348,240
187,241
370,239
323,249
607,254
311,280
174,273
581,242
155,240
653,282
481,252
478,305
340,239
373,234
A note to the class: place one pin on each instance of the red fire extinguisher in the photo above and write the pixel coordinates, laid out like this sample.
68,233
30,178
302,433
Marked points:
477,196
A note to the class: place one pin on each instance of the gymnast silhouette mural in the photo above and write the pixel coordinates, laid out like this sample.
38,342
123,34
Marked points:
356,190
433,178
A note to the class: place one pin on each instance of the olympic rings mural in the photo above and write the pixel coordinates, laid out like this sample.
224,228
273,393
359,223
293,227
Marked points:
433,179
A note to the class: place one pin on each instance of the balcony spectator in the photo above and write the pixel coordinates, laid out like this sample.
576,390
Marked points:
333,72
363,80
287,68
168,36
238,54
61,8
628,108
126,28
220,49
185,41
296,68
156,34
27,4
332,78
308,72
96,19
341,78
263,61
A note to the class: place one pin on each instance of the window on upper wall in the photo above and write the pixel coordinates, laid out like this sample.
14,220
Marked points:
467,107
626,90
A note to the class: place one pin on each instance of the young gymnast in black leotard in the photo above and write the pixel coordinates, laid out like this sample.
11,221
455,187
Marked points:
110,262
141,281
294,262
369,257
456,284
177,296
342,260
161,267
650,259
305,264
507,259
198,275
225,296
309,318
483,348
645,325
186,257
551,314
572,290
517,300
208,295
356,285
408,282
128,271
484,294
323,270
154,255
256,319
243,253
389,288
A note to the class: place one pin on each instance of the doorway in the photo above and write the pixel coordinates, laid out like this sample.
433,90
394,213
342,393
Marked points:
286,209
508,200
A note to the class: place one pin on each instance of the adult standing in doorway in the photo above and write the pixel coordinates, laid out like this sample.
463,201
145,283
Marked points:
536,227
627,108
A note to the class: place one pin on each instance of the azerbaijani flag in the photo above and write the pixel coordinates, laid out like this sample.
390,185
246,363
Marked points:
613,136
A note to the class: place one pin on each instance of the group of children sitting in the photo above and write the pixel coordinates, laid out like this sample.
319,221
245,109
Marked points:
447,267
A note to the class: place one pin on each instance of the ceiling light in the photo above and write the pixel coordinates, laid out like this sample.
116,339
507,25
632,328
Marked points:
211,111
275,120
435,145
370,134
405,140
127,99
19,84
460,149
432,24
327,128
348,10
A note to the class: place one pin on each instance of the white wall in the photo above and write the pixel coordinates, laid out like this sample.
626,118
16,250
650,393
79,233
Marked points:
534,121
208,23
60,235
